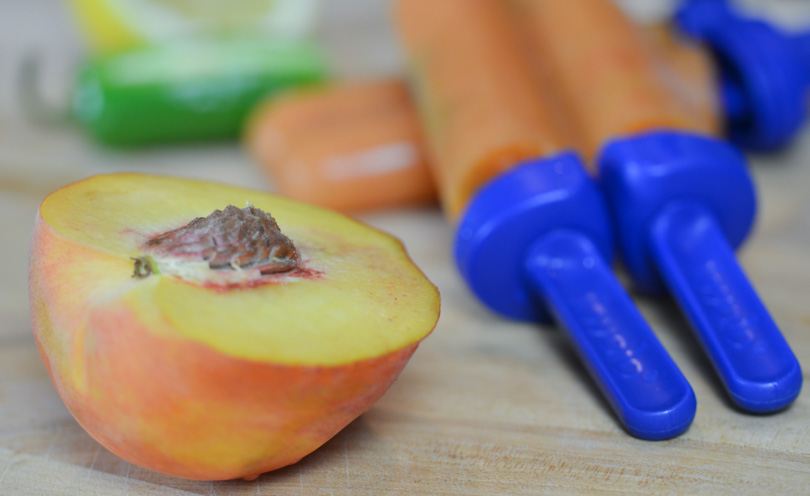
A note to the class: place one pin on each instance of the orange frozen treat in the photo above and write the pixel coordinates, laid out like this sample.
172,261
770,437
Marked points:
474,86
607,68
689,72
351,147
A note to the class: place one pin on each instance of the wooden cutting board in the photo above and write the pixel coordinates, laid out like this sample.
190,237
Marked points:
486,406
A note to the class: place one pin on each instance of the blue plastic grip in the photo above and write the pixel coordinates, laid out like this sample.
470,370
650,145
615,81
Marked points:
752,358
532,244
641,174
681,204
764,72
643,385
803,45
511,212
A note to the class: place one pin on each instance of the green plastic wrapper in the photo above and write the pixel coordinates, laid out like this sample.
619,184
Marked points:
188,91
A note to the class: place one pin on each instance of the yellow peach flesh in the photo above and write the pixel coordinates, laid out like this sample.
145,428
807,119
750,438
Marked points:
365,299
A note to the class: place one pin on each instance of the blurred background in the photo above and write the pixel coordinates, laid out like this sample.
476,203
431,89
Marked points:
49,31
355,35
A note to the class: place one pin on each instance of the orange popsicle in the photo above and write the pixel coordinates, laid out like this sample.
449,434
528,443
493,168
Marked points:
350,147
689,72
480,103
611,79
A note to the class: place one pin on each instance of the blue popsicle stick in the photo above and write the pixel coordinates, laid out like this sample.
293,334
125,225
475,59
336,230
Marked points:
802,40
681,203
764,72
633,370
535,244
751,356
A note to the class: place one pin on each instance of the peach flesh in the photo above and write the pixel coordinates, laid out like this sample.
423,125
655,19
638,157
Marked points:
134,363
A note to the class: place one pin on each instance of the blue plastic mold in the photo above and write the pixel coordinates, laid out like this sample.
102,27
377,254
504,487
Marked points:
535,243
764,72
681,204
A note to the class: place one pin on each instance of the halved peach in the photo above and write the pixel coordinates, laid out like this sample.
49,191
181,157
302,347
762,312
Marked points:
225,346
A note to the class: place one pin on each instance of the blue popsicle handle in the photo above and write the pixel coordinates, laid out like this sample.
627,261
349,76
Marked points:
734,101
751,356
764,72
643,385
803,43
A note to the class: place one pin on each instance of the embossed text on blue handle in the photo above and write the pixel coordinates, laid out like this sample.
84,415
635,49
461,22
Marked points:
753,359
642,383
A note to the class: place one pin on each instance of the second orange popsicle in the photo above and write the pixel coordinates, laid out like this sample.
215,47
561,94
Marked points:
612,80
350,147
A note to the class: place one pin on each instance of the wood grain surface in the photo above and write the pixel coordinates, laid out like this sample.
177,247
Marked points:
486,406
